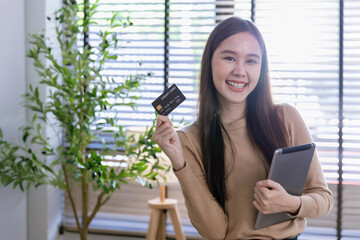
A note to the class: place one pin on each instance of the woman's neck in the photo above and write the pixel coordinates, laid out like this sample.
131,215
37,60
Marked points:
232,112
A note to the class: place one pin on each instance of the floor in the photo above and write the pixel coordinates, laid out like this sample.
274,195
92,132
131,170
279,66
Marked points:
75,236
304,236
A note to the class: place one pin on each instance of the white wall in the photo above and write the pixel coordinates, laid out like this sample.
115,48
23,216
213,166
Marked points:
36,214
13,213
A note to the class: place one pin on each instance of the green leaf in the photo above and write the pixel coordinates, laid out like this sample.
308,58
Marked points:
105,189
123,181
47,167
26,134
112,173
21,186
113,57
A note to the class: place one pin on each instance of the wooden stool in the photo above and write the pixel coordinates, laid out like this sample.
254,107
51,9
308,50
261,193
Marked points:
156,229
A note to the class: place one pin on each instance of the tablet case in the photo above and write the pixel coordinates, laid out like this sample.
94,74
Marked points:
289,167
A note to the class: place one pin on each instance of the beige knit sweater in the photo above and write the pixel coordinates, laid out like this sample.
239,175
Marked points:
248,167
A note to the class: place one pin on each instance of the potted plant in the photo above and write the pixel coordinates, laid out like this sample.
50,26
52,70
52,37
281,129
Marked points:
78,98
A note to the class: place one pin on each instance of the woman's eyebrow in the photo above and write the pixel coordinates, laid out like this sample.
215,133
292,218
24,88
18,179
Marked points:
227,51
254,55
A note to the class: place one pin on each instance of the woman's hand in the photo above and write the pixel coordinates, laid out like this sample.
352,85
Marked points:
169,142
271,197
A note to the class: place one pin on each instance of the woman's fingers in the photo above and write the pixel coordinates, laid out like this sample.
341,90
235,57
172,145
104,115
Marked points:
261,196
164,130
164,136
164,127
271,197
169,142
161,120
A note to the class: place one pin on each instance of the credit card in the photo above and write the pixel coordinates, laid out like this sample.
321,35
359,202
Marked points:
168,100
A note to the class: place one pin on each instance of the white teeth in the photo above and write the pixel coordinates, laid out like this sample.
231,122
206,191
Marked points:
236,85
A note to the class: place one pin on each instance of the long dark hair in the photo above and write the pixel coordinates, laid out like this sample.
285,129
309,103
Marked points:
263,124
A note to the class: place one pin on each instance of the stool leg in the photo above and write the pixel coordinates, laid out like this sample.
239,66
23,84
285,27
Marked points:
153,224
161,228
175,218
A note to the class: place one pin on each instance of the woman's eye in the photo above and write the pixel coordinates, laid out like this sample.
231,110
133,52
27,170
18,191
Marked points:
252,61
230,59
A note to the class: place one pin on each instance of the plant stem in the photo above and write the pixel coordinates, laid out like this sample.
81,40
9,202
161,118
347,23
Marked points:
83,88
68,190
96,207
84,187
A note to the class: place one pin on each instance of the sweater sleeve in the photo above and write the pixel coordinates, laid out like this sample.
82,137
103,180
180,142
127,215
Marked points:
206,215
316,199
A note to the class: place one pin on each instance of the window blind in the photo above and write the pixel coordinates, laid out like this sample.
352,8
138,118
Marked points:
141,53
190,24
351,114
351,131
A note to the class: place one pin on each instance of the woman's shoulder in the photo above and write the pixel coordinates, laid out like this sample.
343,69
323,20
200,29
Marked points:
287,112
294,124
285,107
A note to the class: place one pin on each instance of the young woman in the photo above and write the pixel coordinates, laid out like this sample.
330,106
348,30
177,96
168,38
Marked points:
223,158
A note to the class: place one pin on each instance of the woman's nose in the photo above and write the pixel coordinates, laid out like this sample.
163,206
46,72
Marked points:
239,69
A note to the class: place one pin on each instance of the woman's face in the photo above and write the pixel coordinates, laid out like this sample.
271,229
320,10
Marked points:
236,66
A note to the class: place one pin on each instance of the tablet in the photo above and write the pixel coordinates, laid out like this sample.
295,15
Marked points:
289,167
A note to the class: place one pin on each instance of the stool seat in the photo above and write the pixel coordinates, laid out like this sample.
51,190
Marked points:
156,229
166,204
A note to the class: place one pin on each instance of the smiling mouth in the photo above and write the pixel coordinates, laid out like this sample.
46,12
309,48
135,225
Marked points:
236,85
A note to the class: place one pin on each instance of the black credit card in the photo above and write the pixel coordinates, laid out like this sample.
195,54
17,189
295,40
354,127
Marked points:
168,100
